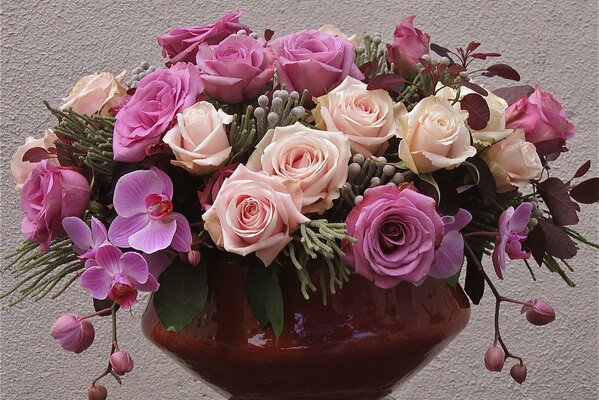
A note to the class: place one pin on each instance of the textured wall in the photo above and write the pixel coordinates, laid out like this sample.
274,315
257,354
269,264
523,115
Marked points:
48,44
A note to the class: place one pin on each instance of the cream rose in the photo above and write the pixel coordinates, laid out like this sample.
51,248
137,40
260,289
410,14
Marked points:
22,169
434,136
335,31
513,162
254,213
97,93
199,139
316,160
366,117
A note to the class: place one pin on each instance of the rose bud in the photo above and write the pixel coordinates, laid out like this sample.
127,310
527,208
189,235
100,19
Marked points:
538,312
518,372
494,358
194,257
73,333
121,362
98,392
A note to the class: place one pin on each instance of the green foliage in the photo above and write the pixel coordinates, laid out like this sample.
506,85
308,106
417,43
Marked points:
265,296
182,294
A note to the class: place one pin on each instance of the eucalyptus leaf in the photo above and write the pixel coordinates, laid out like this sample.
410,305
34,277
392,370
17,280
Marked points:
265,297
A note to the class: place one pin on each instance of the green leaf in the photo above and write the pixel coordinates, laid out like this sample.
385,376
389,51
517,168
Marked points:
472,168
400,164
453,280
182,295
265,297
428,178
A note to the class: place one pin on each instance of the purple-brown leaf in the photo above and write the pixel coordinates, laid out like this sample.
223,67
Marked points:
586,192
484,56
535,242
555,194
385,81
368,67
442,51
557,242
35,154
514,93
472,46
268,34
553,146
473,86
503,71
584,168
478,111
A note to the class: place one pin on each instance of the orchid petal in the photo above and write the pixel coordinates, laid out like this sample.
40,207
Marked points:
122,228
156,235
98,281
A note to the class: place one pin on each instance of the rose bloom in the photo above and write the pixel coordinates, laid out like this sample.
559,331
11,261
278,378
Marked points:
315,61
49,195
236,69
181,44
21,169
97,93
147,115
410,44
513,162
199,139
543,119
434,136
254,213
366,117
335,31
316,160
397,232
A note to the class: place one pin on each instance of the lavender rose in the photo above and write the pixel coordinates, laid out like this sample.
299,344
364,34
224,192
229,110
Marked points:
151,110
236,69
314,60
181,44
397,232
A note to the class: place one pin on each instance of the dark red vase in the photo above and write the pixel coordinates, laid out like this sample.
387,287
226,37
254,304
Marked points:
359,347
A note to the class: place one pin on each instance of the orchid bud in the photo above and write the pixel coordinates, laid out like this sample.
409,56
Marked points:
97,392
121,362
494,358
73,333
194,257
538,312
518,372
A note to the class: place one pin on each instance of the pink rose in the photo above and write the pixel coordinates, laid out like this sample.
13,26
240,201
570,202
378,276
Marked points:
49,195
22,169
397,232
543,120
314,60
181,44
409,46
97,93
152,109
236,69
254,213
207,195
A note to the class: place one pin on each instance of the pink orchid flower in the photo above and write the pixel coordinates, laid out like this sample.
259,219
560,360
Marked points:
146,221
86,240
118,276
513,231
450,254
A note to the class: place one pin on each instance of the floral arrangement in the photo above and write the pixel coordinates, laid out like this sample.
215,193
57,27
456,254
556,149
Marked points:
381,160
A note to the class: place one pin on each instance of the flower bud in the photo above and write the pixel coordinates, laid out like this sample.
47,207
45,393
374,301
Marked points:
538,312
194,257
518,372
121,362
494,358
97,392
72,333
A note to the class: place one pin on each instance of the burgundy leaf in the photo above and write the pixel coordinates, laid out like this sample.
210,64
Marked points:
483,56
503,71
584,168
474,87
268,34
486,185
385,81
553,146
478,110
514,93
586,192
558,243
368,67
535,242
442,51
555,194
455,69
472,46
474,285
35,154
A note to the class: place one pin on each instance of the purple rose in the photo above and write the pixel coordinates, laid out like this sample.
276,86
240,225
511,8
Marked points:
543,120
150,111
315,61
49,195
409,46
181,44
210,191
397,232
236,69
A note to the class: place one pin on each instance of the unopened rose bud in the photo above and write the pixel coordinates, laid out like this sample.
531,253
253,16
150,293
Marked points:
194,257
494,358
519,372
97,392
72,333
121,362
538,312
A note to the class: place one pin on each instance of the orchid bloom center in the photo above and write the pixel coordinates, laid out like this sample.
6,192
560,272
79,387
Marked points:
158,205
121,289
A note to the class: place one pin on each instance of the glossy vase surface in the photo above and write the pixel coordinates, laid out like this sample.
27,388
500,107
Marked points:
359,346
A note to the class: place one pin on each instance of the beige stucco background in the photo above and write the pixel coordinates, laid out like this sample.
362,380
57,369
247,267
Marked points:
48,44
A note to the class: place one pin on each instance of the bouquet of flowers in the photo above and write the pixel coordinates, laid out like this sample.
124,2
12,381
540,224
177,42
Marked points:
384,161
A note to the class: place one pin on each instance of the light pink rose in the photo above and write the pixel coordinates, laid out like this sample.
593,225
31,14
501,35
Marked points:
513,162
181,44
316,160
434,136
543,120
199,139
150,112
49,195
366,117
97,93
237,69
254,213
22,169
410,44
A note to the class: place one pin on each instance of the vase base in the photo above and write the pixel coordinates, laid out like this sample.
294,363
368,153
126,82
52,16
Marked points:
330,396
